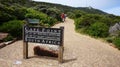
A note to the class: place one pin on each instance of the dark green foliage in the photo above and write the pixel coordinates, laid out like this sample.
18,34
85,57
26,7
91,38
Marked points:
50,11
86,20
76,14
54,13
4,17
18,11
14,28
98,29
116,41
92,27
10,2
48,21
12,12
5,13
31,13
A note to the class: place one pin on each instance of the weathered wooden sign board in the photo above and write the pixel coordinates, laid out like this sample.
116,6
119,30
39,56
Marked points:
53,36
43,35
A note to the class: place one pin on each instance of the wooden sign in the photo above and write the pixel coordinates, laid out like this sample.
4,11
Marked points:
53,36
43,35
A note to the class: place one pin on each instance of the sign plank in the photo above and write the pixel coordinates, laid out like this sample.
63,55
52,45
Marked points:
43,35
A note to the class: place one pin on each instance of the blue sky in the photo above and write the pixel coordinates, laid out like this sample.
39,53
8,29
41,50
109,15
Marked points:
109,6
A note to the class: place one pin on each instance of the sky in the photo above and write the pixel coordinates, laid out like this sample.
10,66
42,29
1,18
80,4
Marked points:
109,6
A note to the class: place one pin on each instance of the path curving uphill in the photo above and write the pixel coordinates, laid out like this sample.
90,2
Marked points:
80,51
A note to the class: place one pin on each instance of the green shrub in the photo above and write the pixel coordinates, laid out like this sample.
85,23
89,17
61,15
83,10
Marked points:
54,13
5,17
86,20
15,11
18,11
31,13
98,29
116,41
76,14
78,23
14,28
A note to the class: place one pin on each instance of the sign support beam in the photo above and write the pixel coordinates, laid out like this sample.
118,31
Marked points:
25,47
25,50
61,48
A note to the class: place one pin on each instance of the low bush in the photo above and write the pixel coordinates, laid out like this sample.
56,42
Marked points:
4,17
49,21
116,42
52,12
18,11
14,28
86,20
98,29
31,13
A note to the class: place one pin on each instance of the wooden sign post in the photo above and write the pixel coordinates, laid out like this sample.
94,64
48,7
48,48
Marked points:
25,50
61,48
25,46
54,36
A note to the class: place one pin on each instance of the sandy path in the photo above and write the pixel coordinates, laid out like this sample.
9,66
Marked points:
80,51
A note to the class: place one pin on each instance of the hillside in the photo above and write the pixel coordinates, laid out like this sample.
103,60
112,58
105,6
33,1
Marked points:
11,8
45,7
65,8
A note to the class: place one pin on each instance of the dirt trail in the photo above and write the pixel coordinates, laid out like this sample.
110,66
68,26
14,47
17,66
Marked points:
80,51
